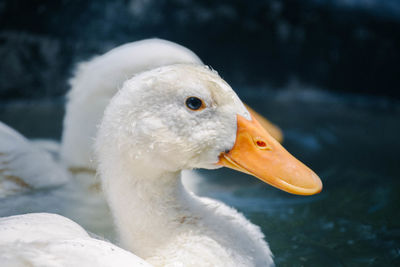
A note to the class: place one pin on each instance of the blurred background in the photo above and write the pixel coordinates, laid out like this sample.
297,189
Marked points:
339,45
326,71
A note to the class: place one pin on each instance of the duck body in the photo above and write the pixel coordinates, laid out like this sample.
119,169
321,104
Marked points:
51,240
187,230
156,217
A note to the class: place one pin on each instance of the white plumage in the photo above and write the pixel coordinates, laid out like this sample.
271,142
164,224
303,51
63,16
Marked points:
98,80
24,166
146,138
50,240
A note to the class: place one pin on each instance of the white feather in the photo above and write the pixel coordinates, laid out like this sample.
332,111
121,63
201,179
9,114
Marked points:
24,166
50,240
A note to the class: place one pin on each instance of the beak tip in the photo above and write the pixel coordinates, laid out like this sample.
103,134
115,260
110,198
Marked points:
318,182
314,186
319,190
318,185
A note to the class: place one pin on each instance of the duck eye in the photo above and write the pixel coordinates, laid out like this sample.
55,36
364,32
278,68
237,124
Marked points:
195,103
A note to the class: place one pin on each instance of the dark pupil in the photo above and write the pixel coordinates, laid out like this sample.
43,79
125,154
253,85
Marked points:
193,103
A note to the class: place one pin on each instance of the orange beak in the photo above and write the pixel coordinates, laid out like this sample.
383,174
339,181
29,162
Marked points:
257,153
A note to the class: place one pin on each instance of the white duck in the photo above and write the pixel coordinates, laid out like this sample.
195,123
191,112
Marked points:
93,85
182,117
95,82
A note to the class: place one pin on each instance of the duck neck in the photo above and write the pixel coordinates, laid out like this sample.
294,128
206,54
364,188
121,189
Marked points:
148,207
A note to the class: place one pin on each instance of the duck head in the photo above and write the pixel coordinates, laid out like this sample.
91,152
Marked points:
185,116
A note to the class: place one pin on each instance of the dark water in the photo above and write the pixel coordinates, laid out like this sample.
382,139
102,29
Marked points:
352,142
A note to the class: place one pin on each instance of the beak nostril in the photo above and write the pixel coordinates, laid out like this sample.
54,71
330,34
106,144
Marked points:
261,144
